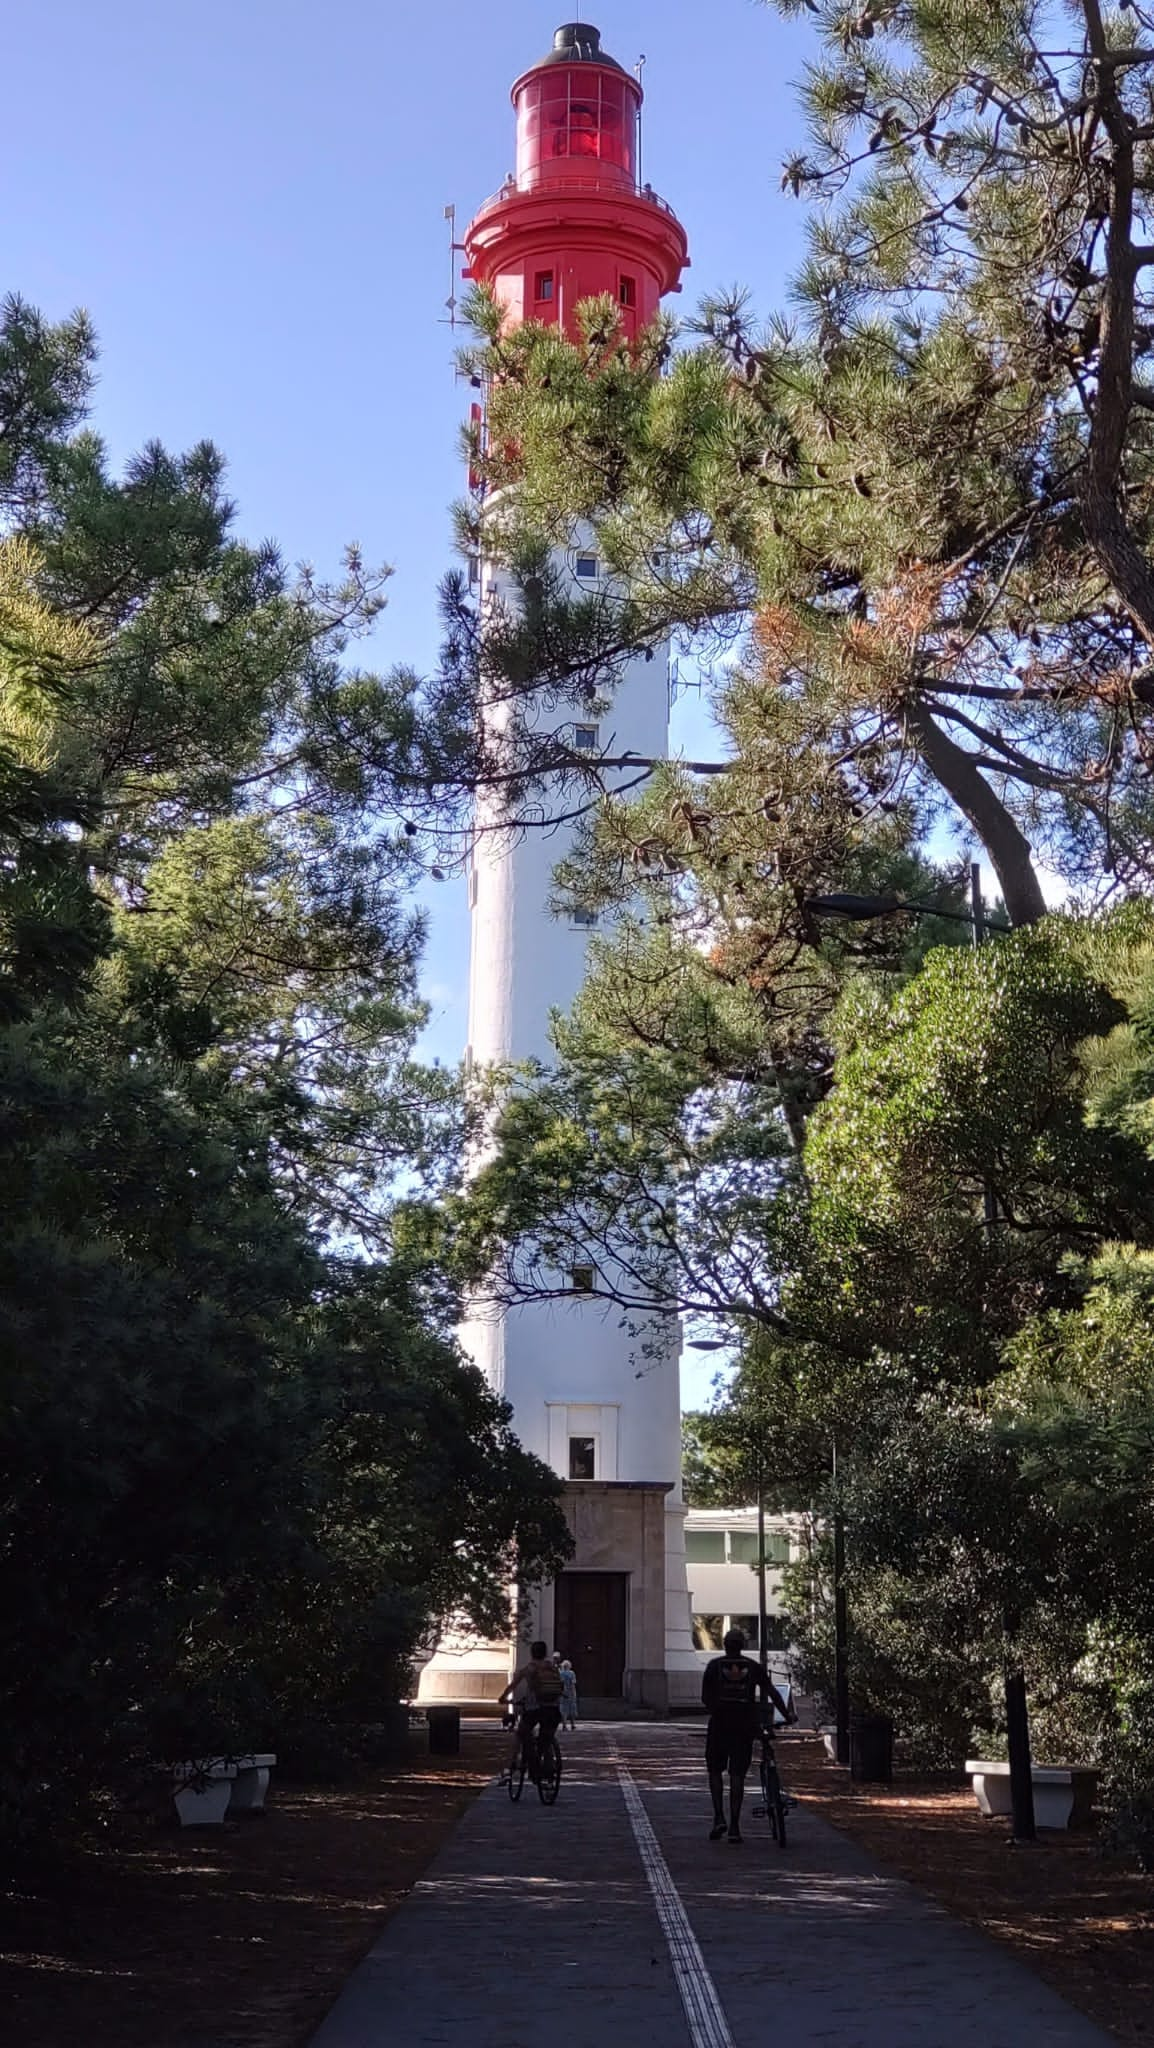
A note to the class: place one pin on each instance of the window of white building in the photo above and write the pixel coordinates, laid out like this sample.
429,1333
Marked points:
710,1630
585,739
581,1279
743,1548
585,919
587,567
584,1423
582,1457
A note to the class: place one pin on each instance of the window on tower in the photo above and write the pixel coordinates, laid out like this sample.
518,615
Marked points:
581,1279
585,739
627,291
582,1457
584,918
543,287
587,567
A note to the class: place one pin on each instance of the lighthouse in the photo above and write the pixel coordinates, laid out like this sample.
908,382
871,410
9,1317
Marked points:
574,222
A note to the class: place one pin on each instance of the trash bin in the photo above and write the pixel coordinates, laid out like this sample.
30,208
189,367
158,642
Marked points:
871,1749
444,1730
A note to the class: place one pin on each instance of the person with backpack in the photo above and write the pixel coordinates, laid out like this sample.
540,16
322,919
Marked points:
540,1710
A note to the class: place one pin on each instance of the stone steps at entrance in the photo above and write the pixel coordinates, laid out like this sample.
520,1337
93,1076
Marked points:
590,1708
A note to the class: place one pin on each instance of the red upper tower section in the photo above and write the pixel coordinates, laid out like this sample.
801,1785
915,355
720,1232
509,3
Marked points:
572,223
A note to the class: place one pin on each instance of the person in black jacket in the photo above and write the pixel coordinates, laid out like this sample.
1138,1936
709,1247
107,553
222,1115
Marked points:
730,1687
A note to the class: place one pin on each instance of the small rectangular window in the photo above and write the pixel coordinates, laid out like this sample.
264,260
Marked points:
743,1548
582,1457
586,567
585,739
747,1623
581,1279
543,286
472,888
584,919
705,1546
627,291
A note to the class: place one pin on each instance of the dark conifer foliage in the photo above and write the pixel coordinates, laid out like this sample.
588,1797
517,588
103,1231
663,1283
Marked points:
243,1461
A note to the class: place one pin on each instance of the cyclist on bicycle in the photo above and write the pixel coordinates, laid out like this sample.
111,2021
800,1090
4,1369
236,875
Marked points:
540,1706
729,1688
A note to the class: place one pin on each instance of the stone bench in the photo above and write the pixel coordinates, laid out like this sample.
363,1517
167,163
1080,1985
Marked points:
1063,1793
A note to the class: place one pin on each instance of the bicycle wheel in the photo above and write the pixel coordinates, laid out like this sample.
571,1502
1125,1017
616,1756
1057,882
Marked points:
517,1776
775,1805
549,1771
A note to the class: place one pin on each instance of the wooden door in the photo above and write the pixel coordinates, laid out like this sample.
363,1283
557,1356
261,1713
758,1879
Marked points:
590,1629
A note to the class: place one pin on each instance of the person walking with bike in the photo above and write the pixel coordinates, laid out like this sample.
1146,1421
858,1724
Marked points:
540,1708
730,1688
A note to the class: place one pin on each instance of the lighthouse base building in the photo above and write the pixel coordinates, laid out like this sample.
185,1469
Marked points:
572,223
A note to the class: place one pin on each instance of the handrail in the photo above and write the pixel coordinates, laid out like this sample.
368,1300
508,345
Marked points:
549,184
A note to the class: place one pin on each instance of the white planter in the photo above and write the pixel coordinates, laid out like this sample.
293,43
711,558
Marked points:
1063,1793
201,1792
251,1783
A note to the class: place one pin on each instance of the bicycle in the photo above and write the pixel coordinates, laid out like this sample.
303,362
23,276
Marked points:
773,1800
543,1766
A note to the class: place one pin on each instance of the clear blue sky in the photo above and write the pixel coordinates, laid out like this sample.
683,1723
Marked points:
248,199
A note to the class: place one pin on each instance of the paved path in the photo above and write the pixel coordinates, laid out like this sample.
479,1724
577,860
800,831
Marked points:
611,1916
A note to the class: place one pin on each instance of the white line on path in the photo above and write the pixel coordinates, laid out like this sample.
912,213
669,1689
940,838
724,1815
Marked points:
708,2026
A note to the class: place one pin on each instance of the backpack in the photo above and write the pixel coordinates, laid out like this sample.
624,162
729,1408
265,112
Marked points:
546,1684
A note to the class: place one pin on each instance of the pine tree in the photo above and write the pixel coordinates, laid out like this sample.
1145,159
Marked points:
928,487
242,1466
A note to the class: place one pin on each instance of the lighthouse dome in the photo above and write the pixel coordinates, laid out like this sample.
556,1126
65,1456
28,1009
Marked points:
578,42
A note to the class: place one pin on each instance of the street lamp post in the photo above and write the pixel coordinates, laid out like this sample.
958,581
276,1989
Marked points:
840,1632
1014,1676
717,1344
762,1601
1017,1714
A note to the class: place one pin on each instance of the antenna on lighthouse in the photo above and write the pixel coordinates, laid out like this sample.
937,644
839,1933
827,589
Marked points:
454,247
638,68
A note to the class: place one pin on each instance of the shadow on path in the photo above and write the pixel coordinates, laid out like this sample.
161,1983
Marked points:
533,1916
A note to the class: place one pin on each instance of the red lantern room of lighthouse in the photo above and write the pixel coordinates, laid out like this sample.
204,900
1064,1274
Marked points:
572,222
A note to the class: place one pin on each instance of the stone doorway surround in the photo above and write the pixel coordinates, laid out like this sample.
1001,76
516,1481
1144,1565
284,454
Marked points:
618,1525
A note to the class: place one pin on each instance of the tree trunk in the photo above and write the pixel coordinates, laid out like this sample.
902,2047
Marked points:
1004,841
1106,526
